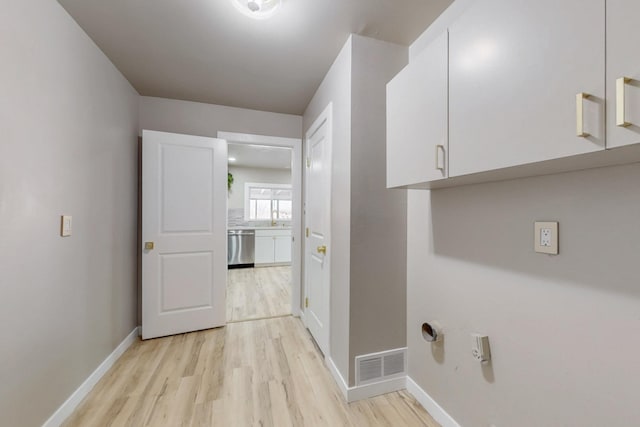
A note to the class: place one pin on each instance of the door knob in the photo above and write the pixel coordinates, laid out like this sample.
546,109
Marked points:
322,249
148,246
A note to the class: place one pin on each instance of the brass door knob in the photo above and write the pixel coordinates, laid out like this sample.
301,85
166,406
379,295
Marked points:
322,249
148,246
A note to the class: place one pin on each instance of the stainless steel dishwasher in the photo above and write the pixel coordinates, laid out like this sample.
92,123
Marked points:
241,248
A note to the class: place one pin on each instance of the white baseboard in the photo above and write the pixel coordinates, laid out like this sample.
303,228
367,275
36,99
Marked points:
352,394
432,407
337,376
376,389
81,392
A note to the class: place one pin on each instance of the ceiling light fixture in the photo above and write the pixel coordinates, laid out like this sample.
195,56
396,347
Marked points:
232,159
257,9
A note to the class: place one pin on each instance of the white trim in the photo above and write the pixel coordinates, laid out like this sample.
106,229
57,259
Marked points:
337,376
61,414
297,166
376,389
352,394
432,407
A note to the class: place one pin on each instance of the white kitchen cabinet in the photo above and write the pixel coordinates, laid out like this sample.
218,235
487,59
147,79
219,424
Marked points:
273,246
282,249
417,141
623,68
264,250
516,68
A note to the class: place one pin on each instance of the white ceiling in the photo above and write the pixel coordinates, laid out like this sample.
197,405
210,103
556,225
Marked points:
206,51
259,156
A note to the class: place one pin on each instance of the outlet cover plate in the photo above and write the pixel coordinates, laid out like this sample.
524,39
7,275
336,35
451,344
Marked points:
65,225
545,237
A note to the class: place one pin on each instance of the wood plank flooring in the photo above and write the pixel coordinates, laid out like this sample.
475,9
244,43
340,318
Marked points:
257,293
256,373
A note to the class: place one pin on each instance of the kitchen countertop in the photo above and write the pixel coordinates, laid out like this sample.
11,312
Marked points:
277,227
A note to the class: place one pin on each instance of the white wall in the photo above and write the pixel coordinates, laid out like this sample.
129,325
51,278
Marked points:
378,216
563,329
336,88
68,121
368,241
194,118
242,175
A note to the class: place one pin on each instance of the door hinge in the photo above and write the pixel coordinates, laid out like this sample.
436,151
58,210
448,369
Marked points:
306,303
308,162
306,232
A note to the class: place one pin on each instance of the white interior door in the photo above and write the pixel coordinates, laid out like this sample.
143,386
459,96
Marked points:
317,248
184,211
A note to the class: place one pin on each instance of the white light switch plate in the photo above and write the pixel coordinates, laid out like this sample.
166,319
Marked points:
66,225
545,236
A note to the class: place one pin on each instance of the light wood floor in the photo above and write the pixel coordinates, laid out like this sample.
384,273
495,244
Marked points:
256,373
257,293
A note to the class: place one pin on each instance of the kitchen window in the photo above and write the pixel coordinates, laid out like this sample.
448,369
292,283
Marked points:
267,202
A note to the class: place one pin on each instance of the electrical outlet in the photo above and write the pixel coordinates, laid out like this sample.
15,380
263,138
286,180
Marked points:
545,237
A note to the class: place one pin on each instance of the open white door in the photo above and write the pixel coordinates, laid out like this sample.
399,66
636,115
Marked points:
318,223
184,235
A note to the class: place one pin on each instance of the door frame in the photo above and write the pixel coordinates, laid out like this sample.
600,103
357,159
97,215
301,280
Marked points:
325,116
296,186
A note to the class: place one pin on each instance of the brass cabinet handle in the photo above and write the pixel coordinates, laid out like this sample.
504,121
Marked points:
148,246
620,101
322,249
439,148
580,114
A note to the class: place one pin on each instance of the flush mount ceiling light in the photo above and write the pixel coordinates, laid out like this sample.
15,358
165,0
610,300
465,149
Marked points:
257,9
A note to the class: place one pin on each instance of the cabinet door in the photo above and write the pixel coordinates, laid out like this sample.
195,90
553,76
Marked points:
264,250
282,249
623,69
516,68
417,119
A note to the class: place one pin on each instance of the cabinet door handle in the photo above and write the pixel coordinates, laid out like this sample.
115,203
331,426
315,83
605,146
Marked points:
620,101
440,148
580,114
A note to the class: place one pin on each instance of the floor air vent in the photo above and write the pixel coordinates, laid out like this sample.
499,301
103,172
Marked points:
376,367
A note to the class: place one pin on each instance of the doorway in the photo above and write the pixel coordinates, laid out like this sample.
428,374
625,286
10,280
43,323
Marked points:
264,226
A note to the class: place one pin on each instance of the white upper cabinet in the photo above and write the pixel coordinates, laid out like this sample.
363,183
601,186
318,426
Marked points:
417,146
517,68
623,73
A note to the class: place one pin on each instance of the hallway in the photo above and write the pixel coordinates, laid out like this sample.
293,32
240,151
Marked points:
264,372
